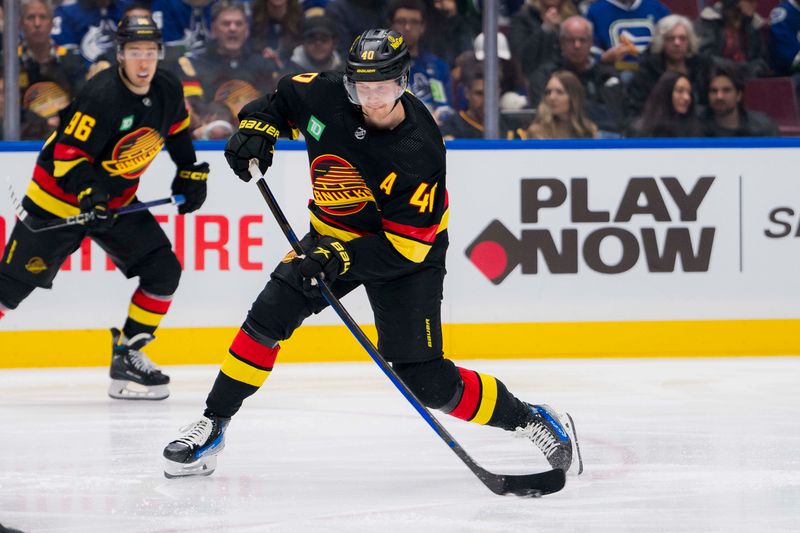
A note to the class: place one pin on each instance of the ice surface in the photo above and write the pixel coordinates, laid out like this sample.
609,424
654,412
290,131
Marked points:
690,445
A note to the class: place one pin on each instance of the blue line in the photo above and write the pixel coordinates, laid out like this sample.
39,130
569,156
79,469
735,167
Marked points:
482,144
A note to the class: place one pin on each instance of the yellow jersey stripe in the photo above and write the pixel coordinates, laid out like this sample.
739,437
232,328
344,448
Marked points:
331,231
144,317
60,168
50,203
410,249
240,371
488,399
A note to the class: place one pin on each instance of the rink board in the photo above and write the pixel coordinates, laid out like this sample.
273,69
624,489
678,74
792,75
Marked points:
556,249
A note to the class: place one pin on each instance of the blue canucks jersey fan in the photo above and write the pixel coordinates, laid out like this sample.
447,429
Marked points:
184,24
87,26
784,38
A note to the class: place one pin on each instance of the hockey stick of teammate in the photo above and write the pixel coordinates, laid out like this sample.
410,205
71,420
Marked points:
522,485
36,224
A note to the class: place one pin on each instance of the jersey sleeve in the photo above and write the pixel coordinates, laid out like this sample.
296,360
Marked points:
80,141
784,43
179,139
415,213
283,106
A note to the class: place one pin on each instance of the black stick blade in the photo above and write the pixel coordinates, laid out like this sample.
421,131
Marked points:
526,485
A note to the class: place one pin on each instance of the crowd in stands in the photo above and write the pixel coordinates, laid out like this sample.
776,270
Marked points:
568,69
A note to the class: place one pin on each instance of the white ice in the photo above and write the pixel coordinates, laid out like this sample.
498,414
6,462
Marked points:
690,445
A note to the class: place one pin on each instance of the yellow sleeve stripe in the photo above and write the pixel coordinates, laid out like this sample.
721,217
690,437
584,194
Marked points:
144,317
488,399
50,203
179,126
412,250
331,231
241,371
60,168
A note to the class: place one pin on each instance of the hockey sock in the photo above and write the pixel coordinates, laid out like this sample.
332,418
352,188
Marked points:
484,399
145,312
244,370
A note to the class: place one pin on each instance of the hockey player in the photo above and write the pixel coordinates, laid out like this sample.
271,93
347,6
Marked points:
108,136
379,219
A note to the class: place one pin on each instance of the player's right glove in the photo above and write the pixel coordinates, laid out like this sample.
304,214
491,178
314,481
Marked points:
255,139
94,203
329,257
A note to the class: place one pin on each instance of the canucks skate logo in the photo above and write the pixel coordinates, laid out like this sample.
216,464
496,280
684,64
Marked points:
338,187
134,153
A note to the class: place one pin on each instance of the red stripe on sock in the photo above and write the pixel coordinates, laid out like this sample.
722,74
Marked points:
247,349
471,397
148,303
2,314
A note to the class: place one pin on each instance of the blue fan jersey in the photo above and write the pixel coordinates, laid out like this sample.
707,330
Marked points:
615,23
784,37
429,80
90,31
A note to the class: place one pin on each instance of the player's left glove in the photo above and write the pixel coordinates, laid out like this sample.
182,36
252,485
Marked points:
255,140
191,182
328,256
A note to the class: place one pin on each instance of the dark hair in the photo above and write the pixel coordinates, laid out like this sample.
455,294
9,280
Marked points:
660,119
730,71
415,5
227,5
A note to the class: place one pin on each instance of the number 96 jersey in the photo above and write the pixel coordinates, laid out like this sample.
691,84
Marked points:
108,136
382,191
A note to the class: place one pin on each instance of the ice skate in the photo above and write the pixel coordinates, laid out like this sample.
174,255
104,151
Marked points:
195,453
555,436
133,375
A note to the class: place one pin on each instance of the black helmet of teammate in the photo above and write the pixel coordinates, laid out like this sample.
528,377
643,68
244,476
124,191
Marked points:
377,55
137,28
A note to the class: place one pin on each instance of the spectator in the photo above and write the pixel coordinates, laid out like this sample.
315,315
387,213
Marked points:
562,112
32,126
215,123
670,109
318,52
454,32
186,24
49,75
533,34
784,38
429,78
227,61
674,47
353,17
276,29
731,30
604,91
623,29
468,123
726,115
87,27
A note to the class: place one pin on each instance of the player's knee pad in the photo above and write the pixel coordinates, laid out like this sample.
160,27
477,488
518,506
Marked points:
159,272
433,382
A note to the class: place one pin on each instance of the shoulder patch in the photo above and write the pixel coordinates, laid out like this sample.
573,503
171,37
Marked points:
307,77
777,15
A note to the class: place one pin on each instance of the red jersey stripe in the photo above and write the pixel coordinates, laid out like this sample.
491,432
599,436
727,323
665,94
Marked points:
249,351
65,152
50,185
427,235
148,303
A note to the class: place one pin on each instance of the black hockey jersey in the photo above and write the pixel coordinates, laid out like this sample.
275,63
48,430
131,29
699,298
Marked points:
109,136
383,191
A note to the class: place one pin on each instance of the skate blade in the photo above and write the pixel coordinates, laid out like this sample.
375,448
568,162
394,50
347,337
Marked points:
576,449
204,466
120,389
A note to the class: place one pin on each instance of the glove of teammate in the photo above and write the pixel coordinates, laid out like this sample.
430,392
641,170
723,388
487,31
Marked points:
94,203
328,257
191,182
255,139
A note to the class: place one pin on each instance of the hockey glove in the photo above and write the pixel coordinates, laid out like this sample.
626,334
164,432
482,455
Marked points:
94,203
328,257
255,139
191,182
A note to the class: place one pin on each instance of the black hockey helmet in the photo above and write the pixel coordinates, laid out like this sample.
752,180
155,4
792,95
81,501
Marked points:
137,28
377,55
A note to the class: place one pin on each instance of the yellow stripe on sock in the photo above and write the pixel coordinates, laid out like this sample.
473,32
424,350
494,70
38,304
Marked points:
144,317
488,399
240,371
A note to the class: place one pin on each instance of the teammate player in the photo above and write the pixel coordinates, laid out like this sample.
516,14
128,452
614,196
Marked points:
378,219
109,135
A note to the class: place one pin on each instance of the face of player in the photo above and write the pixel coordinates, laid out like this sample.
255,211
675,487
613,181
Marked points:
36,23
230,30
676,43
138,61
556,97
723,98
682,96
377,100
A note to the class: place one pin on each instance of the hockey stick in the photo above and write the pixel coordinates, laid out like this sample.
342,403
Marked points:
36,224
522,485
